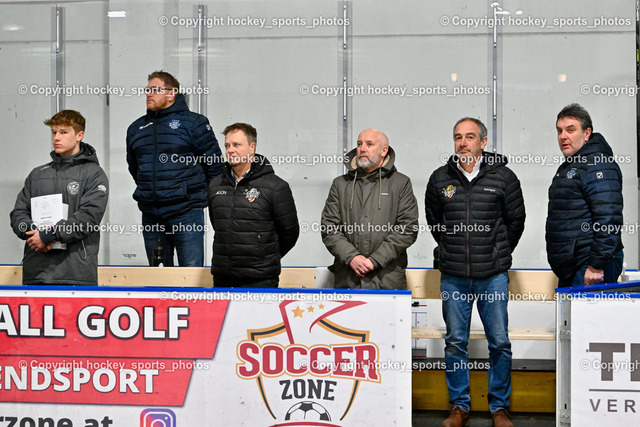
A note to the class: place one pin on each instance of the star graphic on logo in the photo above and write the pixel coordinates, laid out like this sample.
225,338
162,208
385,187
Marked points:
297,312
310,309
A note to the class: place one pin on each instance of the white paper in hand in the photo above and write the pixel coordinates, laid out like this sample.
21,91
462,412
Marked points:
46,211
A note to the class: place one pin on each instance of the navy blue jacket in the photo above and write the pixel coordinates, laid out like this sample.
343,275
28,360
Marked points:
172,155
584,218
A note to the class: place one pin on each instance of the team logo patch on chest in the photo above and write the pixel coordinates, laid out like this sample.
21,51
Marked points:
449,191
572,172
174,124
73,187
252,194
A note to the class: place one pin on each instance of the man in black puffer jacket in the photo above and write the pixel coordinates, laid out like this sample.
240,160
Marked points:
253,214
475,210
584,219
172,155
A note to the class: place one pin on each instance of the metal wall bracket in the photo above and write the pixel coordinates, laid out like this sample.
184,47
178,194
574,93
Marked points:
564,334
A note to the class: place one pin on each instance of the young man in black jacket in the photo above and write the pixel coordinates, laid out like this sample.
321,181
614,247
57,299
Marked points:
475,209
584,219
253,214
66,252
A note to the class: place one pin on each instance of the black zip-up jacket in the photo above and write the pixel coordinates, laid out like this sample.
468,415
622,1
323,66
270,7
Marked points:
84,186
477,224
584,219
255,223
172,154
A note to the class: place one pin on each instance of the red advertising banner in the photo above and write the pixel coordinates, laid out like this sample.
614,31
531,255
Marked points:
132,351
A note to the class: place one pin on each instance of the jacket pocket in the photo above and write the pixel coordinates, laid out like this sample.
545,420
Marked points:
562,254
173,195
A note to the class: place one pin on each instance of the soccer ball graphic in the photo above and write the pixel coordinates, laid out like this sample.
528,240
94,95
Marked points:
307,411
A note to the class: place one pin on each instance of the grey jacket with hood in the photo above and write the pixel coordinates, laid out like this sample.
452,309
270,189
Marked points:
372,214
84,186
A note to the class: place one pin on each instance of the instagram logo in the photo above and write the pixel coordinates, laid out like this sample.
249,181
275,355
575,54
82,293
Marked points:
159,417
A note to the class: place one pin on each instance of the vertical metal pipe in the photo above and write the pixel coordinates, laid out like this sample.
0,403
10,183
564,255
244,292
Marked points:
201,59
345,120
494,100
638,98
58,77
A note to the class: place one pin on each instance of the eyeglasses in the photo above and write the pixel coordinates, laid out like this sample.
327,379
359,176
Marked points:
157,89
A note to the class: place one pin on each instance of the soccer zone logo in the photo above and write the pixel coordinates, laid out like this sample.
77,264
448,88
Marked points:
302,382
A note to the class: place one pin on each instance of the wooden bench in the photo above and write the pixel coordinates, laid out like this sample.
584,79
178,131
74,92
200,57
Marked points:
540,334
524,285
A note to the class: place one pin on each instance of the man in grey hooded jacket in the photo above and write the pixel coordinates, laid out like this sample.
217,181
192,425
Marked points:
370,218
75,173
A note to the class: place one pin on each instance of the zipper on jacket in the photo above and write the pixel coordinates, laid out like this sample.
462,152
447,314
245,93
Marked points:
467,241
468,185
84,249
155,162
233,200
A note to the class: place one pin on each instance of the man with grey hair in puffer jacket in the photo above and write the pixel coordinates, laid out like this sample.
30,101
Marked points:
475,210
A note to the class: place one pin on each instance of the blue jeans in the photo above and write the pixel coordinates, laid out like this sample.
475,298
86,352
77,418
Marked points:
458,294
184,232
611,272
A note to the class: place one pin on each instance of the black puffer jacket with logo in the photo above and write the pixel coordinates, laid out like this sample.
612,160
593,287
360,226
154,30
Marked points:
476,224
255,223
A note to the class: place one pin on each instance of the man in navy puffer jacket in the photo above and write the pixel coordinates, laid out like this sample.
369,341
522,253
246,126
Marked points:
584,219
172,155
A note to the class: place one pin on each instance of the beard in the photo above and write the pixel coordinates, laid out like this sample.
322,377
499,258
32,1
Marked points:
368,162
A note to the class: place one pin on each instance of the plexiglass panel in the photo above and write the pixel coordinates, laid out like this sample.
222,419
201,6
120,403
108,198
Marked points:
411,68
